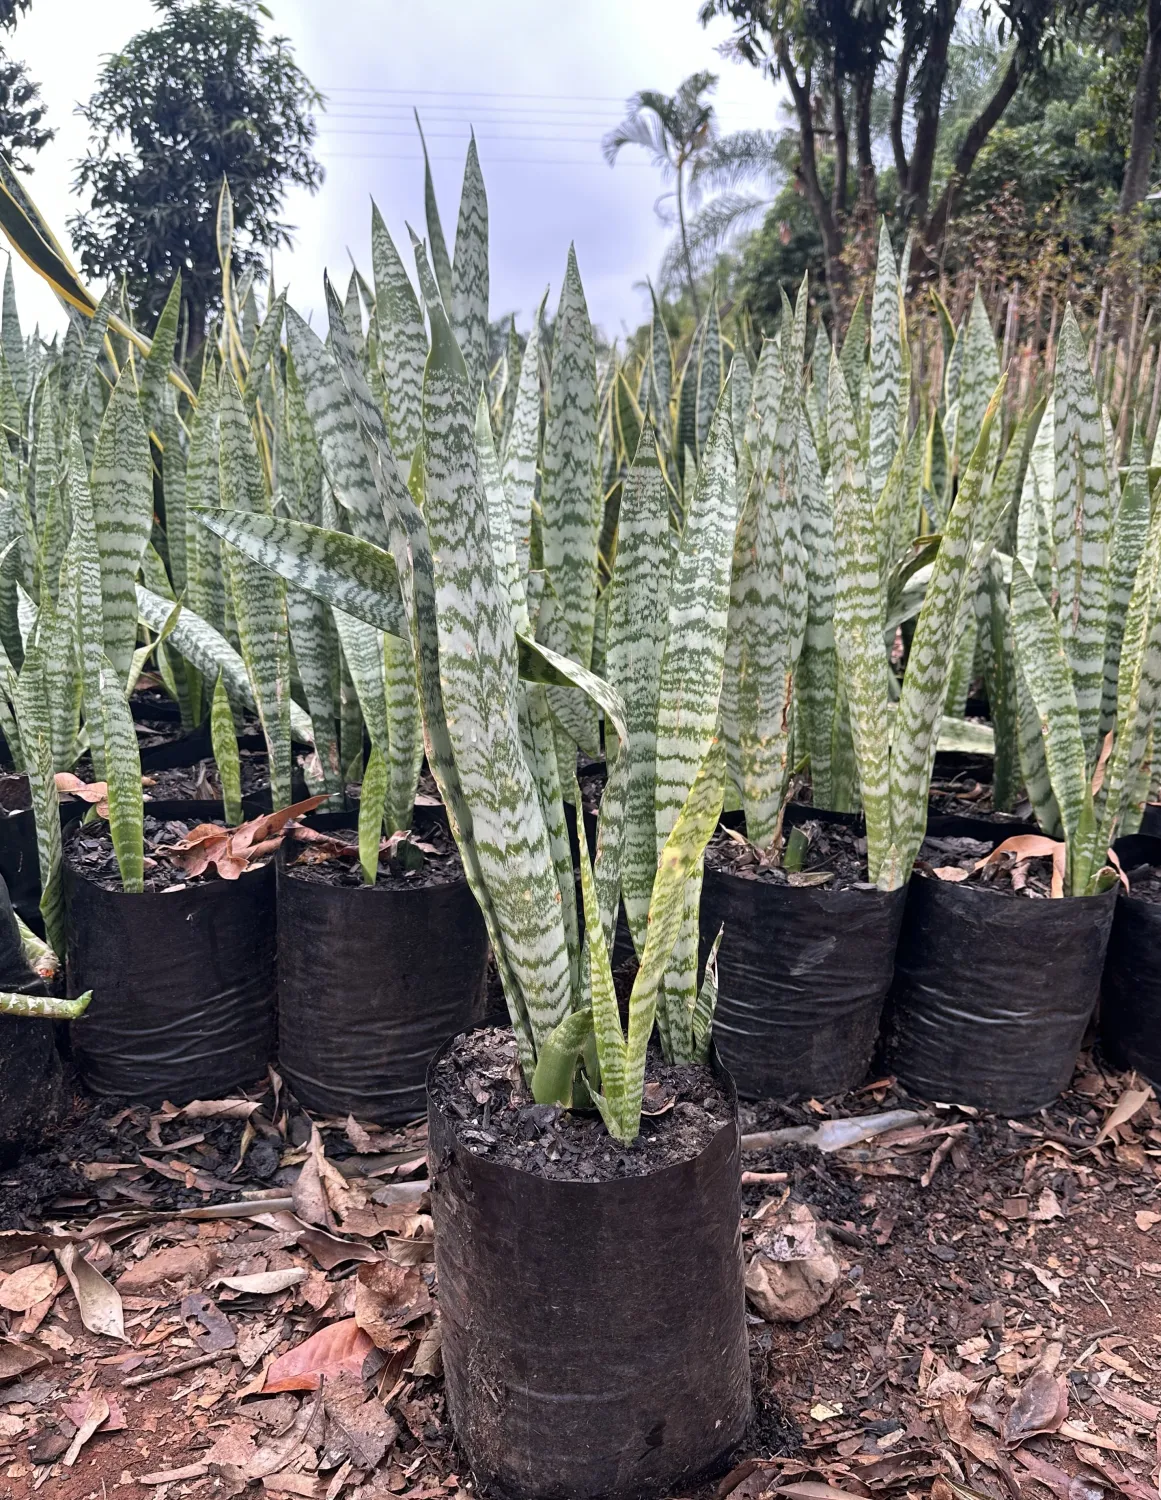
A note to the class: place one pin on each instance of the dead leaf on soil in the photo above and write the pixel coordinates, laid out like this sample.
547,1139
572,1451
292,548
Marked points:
1123,1111
97,1414
794,1269
263,1283
219,1332
98,1300
1040,1406
356,1426
219,1109
330,1251
327,1353
23,1289
1146,1219
19,1359
387,1298
964,1434
232,851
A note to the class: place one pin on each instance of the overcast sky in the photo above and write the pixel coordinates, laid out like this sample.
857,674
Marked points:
541,83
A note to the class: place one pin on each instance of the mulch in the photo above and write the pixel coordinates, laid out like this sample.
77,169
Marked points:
264,1290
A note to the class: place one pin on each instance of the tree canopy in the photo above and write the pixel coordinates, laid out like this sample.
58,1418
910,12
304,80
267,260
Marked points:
202,96
22,112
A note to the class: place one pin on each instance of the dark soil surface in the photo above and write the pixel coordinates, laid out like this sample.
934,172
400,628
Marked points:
89,851
1145,882
200,782
592,780
1010,875
430,858
479,1081
14,794
834,851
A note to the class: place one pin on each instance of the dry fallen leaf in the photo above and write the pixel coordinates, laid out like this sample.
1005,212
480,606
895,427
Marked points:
330,1251
1040,1406
359,1427
387,1298
263,1283
1123,1111
1144,1217
25,1288
327,1353
219,1109
97,1414
232,851
98,1300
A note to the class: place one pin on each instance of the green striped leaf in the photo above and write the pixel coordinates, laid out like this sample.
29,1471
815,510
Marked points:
206,589
924,684
121,484
818,665
469,273
45,1007
1132,528
403,339
539,745
264,350
569,495
12,341
336,429
225,746
372,799
1082,530
123,776
259,601
635,643
88,603
853,355
478,672
660,373
1048,676
886,374
978,375
520,458
508,571
348,573
992,609
858,618
31,703
405,722
439,255
691,681
155,368
709,375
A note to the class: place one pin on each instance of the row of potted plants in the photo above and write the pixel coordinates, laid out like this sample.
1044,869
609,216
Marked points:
729,584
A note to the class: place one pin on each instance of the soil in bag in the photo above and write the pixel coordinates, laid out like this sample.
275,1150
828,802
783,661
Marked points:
19,863
995,979
30,1070
182,974
805,960
573,1370
1130,1010
374,979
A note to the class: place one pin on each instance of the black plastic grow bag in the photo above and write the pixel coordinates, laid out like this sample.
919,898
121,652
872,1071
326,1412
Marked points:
594,1336
19,862
1130,1011
802,975
371,984
30,1071
992,993
183,981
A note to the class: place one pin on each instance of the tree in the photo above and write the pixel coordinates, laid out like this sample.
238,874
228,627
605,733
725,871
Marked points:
21,108
676,129
1144,29
831,53
201,97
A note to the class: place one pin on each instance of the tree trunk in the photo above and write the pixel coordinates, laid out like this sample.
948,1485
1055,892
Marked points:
917,188
685,243
864,89
838,200
832,240
931,243
1145,109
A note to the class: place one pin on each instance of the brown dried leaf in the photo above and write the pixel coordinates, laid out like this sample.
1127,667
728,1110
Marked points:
19,1359
358,1427
1040,1406
1130,1102
964,1434
98,1413
23,1289
326,1354
98,1300
264,1283
330,1251
219,1332
387,1298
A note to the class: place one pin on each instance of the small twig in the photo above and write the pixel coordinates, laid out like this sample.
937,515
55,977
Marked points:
178,1369
750,1179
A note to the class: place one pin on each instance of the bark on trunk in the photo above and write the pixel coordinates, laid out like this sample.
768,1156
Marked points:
1146,100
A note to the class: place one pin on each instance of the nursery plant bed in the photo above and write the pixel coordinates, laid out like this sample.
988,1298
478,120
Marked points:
805,963
572,1369
995,981
182,973
374,979
19,865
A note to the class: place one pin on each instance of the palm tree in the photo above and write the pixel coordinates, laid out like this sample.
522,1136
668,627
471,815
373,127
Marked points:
677,130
